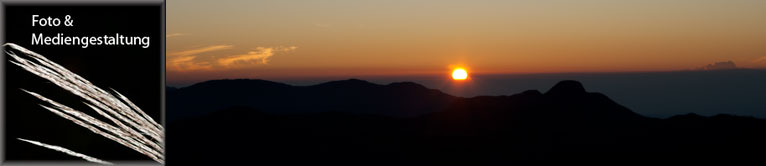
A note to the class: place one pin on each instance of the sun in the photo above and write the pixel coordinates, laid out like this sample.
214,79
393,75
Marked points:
459,74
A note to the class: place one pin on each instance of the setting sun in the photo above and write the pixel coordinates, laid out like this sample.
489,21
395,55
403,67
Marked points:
459,74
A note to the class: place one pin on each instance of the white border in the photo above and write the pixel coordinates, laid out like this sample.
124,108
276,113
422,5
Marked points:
75,2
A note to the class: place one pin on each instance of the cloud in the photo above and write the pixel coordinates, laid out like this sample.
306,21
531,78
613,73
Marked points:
193,59
260,55
201,50
719,66
187,59
174,35
186,63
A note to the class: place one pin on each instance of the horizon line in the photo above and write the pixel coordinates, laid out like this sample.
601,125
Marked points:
361,76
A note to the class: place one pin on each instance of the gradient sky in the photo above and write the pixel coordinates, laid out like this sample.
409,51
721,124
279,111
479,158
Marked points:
270,39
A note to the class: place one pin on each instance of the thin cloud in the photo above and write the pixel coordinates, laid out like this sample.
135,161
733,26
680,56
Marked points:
174,35
187,60
260,55
191,60
187,63
201,50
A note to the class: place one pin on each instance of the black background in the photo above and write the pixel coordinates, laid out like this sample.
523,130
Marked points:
134,71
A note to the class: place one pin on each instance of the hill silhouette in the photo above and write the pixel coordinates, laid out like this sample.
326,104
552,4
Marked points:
404,99
354,122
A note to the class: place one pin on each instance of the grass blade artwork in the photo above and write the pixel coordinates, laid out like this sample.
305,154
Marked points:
67,151
130,127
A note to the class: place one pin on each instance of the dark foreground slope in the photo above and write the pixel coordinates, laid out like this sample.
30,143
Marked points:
565,125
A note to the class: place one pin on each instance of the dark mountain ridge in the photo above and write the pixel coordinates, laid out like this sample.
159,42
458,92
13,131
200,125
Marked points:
354,122
403,99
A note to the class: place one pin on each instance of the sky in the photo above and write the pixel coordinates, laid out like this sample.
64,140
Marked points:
278,39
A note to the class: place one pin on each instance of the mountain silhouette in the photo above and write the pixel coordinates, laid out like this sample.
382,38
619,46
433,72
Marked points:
404,99
355,122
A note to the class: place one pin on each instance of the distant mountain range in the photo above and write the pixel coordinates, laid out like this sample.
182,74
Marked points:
354,122
403,99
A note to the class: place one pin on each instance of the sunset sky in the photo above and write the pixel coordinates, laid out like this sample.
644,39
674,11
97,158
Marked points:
270,39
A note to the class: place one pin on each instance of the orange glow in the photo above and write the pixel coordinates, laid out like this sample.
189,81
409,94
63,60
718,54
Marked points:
347,39
459,74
